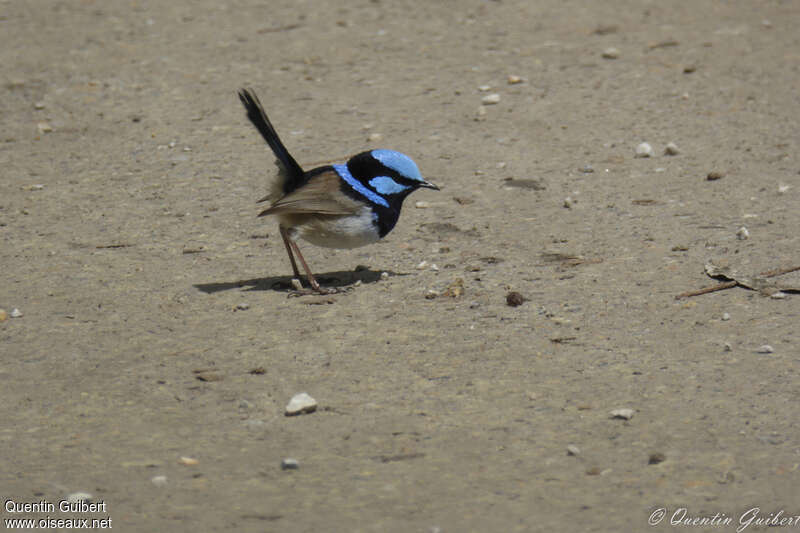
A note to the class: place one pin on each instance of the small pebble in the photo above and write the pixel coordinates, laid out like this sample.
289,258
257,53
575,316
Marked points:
289,464
254,424
296,284
44,127
374,137
610,53
300,404
568,202
587,169
671,149
624,414
644,150
242,306
384,276
573,450
782,189
491,99
3,315
431,294
726,316
15,313
159,481
39,105
766,348
422,265
434,267
778,295
422,205
715,175
656,458
727,347
188,461
514,299
513,79
742,234
485,88
76,497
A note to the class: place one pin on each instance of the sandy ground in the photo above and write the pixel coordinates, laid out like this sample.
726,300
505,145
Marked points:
128,180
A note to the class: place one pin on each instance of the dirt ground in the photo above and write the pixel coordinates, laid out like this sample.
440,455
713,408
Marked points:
158,345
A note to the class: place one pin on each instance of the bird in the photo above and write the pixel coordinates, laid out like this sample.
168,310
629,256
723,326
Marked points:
334,206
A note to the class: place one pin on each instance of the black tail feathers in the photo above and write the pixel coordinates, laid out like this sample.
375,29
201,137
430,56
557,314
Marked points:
260,120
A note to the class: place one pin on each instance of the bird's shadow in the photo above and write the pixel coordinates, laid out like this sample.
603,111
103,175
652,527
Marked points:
284,283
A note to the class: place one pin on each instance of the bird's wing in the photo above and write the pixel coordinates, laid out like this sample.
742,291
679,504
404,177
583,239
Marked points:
321,195
256,114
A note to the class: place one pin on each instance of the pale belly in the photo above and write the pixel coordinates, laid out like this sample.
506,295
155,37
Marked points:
339,231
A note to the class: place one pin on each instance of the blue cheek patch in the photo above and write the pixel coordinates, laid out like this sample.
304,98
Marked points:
401,163
357,186
386,185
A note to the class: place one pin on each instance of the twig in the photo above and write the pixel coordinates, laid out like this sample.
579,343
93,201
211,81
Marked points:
706,290
728,284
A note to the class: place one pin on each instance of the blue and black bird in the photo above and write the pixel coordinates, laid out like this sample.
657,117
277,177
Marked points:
335,206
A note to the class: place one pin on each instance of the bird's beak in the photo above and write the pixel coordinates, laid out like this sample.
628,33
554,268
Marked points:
429,185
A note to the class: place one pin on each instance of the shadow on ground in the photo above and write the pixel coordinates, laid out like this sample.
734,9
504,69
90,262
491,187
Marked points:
284,283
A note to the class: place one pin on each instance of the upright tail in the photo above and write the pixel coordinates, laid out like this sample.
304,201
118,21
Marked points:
260,120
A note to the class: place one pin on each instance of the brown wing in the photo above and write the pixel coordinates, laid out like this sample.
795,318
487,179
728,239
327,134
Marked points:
321,195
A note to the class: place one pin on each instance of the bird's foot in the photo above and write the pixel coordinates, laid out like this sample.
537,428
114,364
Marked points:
299,290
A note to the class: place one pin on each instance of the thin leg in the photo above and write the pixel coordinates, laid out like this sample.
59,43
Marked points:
286,241
311,279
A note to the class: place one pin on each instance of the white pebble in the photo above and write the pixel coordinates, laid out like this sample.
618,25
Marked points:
778,295
374,137
39,105
491,99
742,234
289,464
610,53
296,284
422,265
485,88
384,276
422,205
76,497
514,79
625,413
782,188
671,149
434,267
573,450
568,202
644,150
766,348
301,403
44,127
243,306
159,481
726,316
15,313
727,347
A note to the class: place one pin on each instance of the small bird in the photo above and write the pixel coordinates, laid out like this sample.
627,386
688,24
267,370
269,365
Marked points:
335,206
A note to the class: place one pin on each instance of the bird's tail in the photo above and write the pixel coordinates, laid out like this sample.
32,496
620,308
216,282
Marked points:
256,114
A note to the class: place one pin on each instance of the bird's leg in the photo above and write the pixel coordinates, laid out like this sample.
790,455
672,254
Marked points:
311,279
286,241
